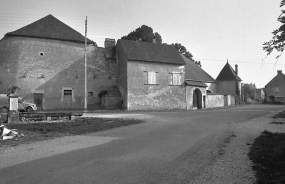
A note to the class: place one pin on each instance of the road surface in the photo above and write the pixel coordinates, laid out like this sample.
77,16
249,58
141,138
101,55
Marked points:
170,147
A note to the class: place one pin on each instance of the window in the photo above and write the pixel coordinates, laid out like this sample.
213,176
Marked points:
276,89
151,77
41,54
67,95
67,92
175,79
90,93
279,99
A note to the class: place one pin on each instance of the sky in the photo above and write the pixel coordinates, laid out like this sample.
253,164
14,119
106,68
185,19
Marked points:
213,31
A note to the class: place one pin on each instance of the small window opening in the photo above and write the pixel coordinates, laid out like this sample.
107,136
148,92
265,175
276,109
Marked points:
67,92
90,94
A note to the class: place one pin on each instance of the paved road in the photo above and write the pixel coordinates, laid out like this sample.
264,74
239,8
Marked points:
170,147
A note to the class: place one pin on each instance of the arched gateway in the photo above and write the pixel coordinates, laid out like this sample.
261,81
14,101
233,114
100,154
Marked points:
197,99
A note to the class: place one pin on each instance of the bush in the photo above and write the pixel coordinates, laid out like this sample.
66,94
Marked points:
268,155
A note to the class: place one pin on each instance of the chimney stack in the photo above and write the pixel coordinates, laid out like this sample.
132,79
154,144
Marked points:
236,69
110,42
279,72
154,40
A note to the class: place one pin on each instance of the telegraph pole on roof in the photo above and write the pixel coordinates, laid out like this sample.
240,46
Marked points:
85,67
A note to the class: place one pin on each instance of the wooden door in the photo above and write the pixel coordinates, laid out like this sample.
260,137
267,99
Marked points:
38,100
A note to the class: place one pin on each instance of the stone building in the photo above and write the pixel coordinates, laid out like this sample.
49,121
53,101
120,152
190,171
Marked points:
228,83
150,76
46,60
275,89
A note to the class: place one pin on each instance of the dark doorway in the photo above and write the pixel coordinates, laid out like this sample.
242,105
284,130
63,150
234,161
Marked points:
38,100
197,99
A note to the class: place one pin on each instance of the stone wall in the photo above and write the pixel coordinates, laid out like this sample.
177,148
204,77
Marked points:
143,96
214,100
230,100
50,66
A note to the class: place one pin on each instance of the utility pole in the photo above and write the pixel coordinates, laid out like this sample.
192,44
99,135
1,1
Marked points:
85,66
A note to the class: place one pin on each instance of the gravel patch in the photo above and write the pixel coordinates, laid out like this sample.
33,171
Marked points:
233,164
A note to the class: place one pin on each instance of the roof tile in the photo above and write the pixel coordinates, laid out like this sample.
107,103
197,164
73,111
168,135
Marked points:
227,73
151,52
195,72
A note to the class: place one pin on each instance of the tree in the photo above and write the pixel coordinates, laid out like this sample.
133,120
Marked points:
278,41
247,93
144,34
182,50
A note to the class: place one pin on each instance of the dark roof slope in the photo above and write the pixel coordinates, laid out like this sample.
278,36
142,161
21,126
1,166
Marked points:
151,52
49,27
279,77
195,73
195,83
227,74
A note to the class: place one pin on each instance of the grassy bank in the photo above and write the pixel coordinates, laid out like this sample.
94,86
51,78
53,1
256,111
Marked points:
42,131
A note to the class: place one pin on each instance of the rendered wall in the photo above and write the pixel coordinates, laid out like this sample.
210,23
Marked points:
226,87
214,100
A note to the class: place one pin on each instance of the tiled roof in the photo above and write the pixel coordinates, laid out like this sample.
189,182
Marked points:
151,52
195,83
278,77
195,73
227,73
49,27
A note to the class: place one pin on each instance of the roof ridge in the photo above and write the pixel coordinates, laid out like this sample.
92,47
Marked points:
227,73
49,27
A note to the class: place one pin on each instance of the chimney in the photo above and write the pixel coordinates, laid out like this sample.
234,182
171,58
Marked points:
154,40
236,69
109,42
279,72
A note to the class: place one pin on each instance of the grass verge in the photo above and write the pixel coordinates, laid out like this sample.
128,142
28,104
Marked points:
42,131
280,115
268,156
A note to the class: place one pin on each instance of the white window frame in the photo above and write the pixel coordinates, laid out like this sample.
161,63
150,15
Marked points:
175,79
63,95
152,78
276,89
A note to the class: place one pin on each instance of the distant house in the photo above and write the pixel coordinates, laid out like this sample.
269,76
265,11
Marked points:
259,94
150,76
46,60
228,82
254,94
275,89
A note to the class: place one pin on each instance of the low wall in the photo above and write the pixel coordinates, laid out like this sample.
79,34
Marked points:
230,100
214,100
